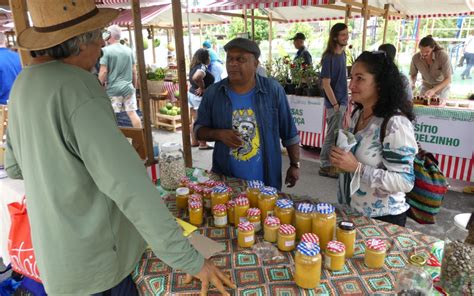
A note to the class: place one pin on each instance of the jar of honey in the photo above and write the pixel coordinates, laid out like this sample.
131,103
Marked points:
346,234
375,252
284,210
254,217
310,237
324,223
245,235
220,195
195,197
253,191
303,217
307,265
230,212
195,213
266,201
286,237
182,195
193,187
206,195
241,207
334,257
220,215
270,229
184,181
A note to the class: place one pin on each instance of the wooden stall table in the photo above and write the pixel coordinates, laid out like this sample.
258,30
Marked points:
256,277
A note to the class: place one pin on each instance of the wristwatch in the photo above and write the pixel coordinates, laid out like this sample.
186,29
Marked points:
295,164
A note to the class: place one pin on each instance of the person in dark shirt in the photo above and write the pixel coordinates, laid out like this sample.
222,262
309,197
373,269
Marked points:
298,42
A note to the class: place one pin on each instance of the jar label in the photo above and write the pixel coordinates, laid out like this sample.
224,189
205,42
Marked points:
257,226
289,243
327,261
220,221
248,239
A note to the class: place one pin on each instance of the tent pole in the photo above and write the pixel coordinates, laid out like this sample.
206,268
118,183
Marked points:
137,24
183,95
348,14
153,43
385,25
189,34
399,35
365,15
244,11
253,24
20,20
130,41
270,37
200,31
417,34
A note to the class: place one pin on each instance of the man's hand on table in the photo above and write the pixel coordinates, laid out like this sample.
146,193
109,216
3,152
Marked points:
292,175
230,138
211,274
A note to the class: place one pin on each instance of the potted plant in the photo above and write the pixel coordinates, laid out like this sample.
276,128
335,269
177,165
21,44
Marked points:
297,72
313,80
155,79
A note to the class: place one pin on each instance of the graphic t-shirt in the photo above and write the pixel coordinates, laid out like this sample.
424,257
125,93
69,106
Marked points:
246,162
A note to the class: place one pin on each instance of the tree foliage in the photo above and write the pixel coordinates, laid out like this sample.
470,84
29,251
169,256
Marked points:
261,27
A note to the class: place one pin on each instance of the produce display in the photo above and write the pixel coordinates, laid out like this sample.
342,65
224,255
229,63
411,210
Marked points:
170,109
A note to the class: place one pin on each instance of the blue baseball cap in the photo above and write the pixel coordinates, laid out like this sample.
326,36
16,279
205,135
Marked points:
207,44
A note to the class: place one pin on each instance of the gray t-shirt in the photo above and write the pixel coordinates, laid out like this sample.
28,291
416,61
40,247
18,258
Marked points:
119,61
334,68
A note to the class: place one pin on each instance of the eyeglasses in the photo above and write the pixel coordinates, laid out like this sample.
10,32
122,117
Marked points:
379,52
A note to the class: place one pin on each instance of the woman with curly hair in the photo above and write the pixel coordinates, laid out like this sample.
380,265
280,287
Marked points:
379,169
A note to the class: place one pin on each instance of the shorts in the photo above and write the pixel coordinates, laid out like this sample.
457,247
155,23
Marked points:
194,101
128,103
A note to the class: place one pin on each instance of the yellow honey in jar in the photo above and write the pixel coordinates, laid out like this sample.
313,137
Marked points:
324,223
220,195
346,234
182,195
270,229
253,191
266,201
254,217
334,256
303,218
375,252
206,196
241,207
220,215
307,265
245,235
230,212
195,213
284,210
286,237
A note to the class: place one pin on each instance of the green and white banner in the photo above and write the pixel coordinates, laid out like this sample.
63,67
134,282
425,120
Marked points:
307,112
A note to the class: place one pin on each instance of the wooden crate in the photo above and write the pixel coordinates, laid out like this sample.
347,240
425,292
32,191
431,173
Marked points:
168,122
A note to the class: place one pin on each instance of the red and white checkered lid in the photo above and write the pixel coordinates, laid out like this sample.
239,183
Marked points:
375,244
241,201
212,183
184,180
206,190
253,212
287,229
195,197
230,204
246,226
219,208
193,186
195,204
336,247
272,221
199,189
242,194
310,237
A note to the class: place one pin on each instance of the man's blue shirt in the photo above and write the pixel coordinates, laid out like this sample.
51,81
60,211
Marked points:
334,68
274,122
10,66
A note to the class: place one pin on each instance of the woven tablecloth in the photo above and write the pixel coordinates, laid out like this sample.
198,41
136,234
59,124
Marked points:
256,277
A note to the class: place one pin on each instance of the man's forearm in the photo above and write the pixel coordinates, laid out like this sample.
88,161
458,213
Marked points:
208,134
293,153
443,84
330,93
413,81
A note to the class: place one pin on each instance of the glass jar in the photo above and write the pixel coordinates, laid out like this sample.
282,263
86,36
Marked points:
184,181
286,237
182,195
220,195
171,164
457,268
375,252
192,187
303,217
334,256
266,201
310,237
195,197
270,229
245,235
253,191
241,207
324,223
284,210
230,212
413,279
254,217
307,265
195,213
346,234
206,196
220,215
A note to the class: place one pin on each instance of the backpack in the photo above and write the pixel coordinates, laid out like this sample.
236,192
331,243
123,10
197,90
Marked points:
430,184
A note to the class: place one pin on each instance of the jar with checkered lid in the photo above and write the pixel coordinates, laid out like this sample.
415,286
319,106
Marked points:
245,234
303,218
266,201
334,256
182,195
206,196
307,265
375,252
184,181
220,215
324,223
195,197
270,229
284,210
220,195
241,207
230,211
253,191
310,237
286,237
195,213
254,216
346,234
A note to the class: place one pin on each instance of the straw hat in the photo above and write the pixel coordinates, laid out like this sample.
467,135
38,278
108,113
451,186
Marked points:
55,21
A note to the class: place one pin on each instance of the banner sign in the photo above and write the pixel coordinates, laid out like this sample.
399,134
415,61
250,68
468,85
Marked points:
307,113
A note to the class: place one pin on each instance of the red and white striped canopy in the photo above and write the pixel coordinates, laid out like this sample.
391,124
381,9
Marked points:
125,17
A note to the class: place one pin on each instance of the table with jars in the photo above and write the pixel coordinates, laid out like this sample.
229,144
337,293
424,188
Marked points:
279,244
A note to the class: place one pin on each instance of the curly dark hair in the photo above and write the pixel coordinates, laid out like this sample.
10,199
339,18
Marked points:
201,56
393,97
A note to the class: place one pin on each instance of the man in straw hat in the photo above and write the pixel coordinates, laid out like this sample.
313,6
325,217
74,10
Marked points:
91,206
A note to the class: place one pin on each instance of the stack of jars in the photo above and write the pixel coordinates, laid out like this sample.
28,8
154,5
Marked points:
253,191
324,223
266,201
303,218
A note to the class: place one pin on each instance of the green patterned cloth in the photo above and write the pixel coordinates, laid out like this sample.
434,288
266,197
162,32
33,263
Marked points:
253,276
461,115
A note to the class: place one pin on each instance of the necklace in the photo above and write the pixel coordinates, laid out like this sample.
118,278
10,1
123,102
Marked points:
365,118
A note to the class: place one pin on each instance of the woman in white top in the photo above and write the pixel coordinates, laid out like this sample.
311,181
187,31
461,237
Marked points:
379,173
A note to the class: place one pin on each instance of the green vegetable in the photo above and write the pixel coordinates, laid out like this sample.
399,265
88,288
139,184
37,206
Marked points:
169,106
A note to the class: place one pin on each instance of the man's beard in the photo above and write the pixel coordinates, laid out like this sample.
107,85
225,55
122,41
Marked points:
341,44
